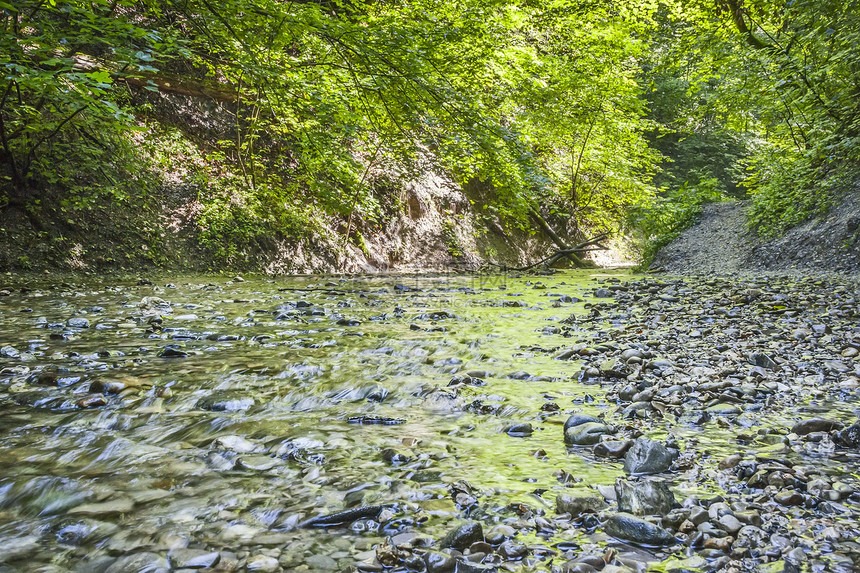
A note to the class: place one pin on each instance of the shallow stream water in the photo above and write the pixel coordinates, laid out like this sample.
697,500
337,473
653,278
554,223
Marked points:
203,416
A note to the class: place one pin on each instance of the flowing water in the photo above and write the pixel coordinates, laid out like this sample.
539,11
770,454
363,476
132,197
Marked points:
255,426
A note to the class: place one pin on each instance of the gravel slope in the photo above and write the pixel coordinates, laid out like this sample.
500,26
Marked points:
719,243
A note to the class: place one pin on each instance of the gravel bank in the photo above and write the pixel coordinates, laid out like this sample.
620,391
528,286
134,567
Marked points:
720,243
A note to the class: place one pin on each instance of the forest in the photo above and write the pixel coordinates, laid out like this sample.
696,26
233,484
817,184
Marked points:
283,118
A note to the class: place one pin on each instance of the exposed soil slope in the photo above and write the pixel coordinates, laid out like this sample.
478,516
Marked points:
721,243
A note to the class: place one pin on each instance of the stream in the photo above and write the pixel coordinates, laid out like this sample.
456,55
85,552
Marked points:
431,423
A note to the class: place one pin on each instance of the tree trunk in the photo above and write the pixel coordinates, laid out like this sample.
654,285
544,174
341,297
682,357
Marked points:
577,262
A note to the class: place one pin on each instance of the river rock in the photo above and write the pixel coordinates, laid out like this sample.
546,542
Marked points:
805,427
614,369
850,436
262,564
113,507
648,457
521,430
140,563
225,402
463,536
645,497
636,530
9,352
788,498
579,419
194,558
576,505
615,449
512,550
438,562
78,322
586,434
730,524
18,548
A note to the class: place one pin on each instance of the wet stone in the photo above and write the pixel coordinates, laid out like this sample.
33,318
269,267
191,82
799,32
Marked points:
648,457
576,505
194,558
19,548
586,434
612,448
463,536
438,562
9,352
113,507
645,497
730,524
258,463
220,402
520,430
139,562
636,530
788,498
805,427
512,551
78,322
262,564
172,352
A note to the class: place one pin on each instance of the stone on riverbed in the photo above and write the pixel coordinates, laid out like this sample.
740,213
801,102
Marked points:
19,548
636,530
576,505
850,436
463,536
113,507
645,497
139,562
78,322
578,419
648,457
612,448
586,434
263,564
520,430
805,427
225,402
186,558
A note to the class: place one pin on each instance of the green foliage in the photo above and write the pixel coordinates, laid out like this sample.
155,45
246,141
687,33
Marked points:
662,220
785,76
452,241
586,111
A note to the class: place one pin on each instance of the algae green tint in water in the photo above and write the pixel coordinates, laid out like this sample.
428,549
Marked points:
220,414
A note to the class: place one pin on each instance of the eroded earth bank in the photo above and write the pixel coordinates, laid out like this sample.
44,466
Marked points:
568,423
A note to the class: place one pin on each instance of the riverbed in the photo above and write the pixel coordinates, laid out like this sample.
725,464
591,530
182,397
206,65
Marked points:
415,423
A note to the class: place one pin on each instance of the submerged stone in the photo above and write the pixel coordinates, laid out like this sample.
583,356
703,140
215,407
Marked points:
636,530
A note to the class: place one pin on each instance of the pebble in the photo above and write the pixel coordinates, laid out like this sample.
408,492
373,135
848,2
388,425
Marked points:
140,562
576,505
262,564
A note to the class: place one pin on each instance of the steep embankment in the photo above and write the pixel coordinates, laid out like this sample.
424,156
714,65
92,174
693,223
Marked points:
721,243
429,223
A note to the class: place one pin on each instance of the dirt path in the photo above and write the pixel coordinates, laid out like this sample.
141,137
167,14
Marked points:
720,243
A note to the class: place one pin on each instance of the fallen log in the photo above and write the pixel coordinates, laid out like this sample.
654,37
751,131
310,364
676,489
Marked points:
592,244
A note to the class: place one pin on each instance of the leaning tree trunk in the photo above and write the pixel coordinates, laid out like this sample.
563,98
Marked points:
573,258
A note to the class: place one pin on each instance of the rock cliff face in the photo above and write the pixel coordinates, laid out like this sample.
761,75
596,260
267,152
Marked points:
721,243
